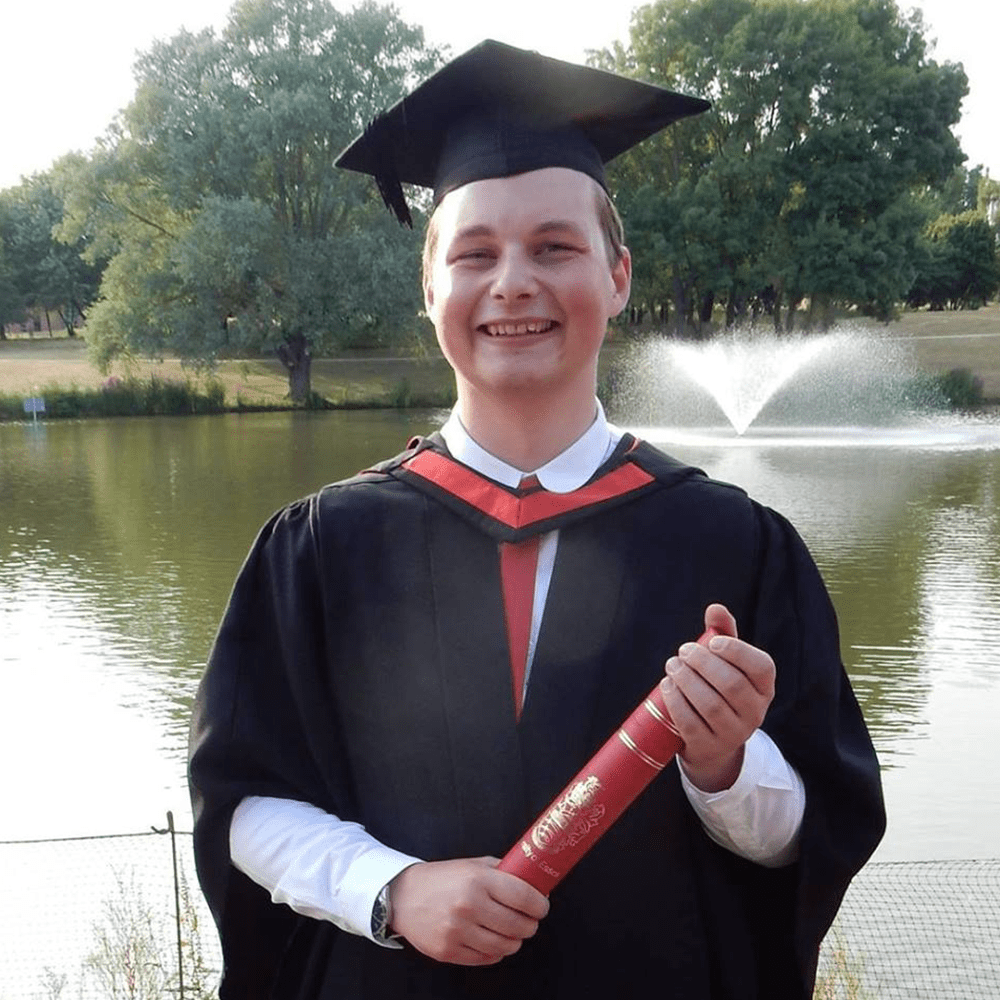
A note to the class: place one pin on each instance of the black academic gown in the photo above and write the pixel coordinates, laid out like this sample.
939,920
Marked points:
362,666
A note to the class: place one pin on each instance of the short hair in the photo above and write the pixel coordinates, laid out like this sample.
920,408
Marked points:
612,228
608,219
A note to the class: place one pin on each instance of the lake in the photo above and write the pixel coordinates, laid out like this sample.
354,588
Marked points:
120,540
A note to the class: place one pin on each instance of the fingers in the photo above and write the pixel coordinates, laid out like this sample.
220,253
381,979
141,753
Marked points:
730,677
465,911
492,933
717,696
724,652
518,896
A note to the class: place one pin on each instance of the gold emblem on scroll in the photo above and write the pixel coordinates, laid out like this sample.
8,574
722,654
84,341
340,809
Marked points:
570,819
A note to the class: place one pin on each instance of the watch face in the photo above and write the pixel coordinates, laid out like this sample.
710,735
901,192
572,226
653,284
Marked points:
380,914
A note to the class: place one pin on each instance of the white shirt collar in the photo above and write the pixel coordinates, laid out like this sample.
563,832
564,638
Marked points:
568,471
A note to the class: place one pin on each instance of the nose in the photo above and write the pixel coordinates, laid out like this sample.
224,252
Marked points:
513,278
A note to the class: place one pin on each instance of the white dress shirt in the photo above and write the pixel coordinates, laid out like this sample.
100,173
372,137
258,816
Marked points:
331,869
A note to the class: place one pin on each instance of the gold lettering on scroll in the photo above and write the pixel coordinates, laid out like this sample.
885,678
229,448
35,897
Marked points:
570,819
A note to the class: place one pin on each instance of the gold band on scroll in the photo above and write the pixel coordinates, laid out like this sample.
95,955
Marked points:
644,757
650,707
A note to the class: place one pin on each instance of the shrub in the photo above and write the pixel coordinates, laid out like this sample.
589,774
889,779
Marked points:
961,388
957,389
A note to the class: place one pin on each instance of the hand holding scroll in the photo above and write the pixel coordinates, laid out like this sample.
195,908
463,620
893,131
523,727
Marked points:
606,786
717,694
464,911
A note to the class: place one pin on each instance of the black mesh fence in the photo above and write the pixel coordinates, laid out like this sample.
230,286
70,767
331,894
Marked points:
916,930
102,918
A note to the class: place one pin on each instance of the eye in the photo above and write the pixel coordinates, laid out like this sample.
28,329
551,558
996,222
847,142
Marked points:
555,248
475,255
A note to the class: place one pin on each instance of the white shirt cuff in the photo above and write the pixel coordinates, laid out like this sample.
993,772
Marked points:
760,816
312,861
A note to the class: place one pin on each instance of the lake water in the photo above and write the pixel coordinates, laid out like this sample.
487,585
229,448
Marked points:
120,540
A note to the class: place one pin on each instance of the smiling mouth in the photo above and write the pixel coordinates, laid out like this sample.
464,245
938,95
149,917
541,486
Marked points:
519,328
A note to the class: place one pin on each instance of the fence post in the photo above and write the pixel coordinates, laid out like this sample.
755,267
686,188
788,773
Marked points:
177,906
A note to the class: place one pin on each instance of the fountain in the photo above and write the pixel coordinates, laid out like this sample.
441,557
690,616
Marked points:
847,387
742,375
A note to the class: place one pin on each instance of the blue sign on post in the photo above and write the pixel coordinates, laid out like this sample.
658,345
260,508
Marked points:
34,405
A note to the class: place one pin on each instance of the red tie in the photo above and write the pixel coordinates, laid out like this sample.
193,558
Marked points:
518,564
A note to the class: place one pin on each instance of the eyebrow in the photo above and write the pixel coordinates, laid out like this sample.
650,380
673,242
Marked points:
550,225
558,225
470,232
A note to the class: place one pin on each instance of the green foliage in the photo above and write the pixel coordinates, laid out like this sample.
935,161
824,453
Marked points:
958,266
121,398
988,201
961,388
956,389
959,193
38,272
402,393
11,302
228,229
827,115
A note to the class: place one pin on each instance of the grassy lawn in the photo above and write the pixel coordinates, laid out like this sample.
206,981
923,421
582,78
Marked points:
941,341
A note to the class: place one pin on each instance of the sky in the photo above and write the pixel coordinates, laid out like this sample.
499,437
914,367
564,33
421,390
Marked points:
66,66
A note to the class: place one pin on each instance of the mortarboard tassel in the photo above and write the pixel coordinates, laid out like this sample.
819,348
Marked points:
387,177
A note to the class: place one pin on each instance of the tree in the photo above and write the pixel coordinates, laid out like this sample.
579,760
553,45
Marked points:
37,271
10,301
959,193
797,184
988,201
215,194
959,265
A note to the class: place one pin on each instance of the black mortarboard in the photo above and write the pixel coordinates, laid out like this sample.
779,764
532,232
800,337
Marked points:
497,111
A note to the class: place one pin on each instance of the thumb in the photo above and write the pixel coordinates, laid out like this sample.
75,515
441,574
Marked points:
717,616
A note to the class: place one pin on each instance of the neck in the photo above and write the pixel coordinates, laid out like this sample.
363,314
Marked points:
525,433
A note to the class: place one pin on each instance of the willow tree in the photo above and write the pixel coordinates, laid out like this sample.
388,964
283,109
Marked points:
827,115
214,195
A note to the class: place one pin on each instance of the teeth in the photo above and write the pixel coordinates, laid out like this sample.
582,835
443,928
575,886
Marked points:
516,329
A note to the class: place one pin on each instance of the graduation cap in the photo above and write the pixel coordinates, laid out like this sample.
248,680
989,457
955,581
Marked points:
497,111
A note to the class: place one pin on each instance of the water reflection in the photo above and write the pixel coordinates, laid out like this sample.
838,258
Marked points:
908,540
119,541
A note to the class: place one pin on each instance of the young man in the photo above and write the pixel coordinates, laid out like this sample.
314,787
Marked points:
389,704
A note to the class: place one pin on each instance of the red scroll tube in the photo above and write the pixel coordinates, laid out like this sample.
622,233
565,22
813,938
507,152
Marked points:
606,786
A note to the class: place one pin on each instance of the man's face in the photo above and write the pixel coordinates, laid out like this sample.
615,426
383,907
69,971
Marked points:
521,290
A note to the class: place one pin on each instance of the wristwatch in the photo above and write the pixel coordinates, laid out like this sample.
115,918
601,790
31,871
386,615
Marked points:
381,915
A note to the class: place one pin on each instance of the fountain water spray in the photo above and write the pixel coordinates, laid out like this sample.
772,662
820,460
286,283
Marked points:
849,377
742,375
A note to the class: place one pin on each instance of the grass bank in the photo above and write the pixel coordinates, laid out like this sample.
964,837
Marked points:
58,367
58,370
117,397
944,341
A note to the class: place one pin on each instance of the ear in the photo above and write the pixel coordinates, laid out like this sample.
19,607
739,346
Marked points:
621,276
428,296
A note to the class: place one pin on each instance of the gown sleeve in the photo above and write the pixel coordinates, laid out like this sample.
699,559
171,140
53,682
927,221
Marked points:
261,726
816,721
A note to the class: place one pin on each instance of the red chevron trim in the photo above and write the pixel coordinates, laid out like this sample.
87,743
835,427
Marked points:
519,512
